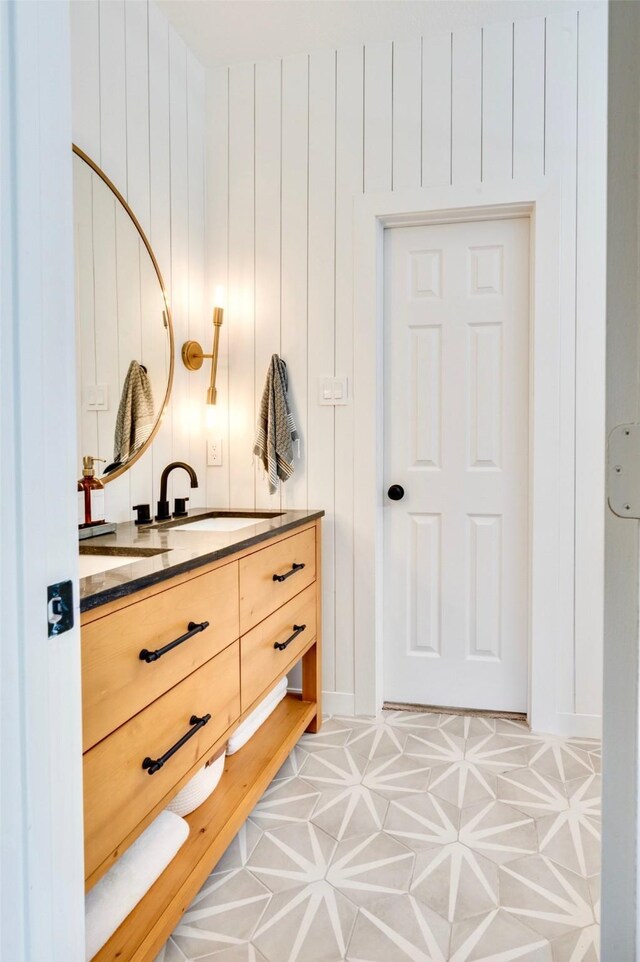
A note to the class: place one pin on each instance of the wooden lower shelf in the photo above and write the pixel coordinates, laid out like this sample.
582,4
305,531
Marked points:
212,828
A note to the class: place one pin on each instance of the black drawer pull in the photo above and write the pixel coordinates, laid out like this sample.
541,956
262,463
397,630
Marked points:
153,765
193,626
281,645
295,567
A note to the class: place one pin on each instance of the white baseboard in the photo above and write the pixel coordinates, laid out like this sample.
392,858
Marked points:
572,725
335,702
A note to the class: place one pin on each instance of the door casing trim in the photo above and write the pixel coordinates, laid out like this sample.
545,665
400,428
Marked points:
551,596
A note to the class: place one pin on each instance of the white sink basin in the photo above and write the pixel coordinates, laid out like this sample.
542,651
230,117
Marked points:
94,564
226,523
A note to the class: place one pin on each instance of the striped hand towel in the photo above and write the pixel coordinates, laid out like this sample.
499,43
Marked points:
276,429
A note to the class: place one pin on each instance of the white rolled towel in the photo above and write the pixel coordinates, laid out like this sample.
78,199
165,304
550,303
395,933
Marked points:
258,717
198,789
118,892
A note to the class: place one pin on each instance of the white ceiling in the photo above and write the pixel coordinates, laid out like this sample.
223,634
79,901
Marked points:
235,31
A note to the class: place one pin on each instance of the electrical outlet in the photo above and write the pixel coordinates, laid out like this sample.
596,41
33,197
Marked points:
214,453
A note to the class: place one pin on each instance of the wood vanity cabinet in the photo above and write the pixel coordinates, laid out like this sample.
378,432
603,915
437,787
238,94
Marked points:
250,618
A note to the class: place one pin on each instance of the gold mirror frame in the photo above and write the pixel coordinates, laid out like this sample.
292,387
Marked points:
112,187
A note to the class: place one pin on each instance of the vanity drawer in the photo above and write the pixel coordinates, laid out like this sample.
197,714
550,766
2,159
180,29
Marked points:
260,594
117,684
260,662
118,791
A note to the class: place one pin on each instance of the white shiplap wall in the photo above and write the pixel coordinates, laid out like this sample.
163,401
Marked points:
290,142
138,111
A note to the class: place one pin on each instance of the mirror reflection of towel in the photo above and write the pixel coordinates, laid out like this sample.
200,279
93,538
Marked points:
136,416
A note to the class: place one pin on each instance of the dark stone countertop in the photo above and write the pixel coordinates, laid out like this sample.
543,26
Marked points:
175,551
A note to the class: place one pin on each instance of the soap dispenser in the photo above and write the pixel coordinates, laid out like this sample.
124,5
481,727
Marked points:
90,494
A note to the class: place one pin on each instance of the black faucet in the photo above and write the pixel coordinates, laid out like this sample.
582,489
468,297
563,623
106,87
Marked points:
163,505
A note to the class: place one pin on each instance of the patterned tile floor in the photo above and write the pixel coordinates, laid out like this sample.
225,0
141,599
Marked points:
411,838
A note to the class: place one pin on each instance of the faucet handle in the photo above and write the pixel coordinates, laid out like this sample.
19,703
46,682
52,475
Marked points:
143,512
179,508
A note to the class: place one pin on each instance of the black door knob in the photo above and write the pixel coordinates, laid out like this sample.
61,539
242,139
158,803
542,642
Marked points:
396,492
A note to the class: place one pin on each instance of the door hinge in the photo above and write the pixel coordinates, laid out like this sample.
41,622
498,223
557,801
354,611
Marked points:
623,470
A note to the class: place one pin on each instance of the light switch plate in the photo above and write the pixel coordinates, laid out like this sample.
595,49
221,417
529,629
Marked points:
334,390
214,453
96,397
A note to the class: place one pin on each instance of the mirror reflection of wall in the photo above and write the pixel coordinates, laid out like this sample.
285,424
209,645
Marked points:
125,339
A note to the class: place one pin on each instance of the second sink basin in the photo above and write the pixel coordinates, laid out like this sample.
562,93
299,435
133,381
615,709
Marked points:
96,559
220,521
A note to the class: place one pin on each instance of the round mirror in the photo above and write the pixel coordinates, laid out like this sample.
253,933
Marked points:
124,329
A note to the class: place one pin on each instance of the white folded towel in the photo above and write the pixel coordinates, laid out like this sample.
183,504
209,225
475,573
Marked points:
258,717
118,892
198,789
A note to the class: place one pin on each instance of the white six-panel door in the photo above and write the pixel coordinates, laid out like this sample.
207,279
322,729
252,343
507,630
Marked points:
456,439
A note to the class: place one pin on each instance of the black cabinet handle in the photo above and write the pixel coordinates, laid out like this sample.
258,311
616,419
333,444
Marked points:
153,765
396,492
281,645
193,629
295,567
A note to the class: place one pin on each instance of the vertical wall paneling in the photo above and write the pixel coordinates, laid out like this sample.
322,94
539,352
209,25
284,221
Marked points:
378,117
590,360
139,94
179,482
241,284
160,205
138,188
407,113
295,152
497,102
200,327
268,133
321,324
436,109
85,76
349,172
113,106
217,227
529,39
466,106
560,163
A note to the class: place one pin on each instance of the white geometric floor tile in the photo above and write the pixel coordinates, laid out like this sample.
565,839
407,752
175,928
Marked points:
416,837
571,836
498,831
455,882
534,794
237,855
351,811
467,726
293,764
559,758
422,821
547,897
335,733
292,856
368,868
398,930
464,770
396,775
309,924
582,945
334,768
287,800
497,937
375,736
225,913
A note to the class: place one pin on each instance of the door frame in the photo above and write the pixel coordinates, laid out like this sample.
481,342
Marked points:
551,534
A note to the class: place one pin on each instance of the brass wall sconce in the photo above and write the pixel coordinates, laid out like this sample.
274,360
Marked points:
192,353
